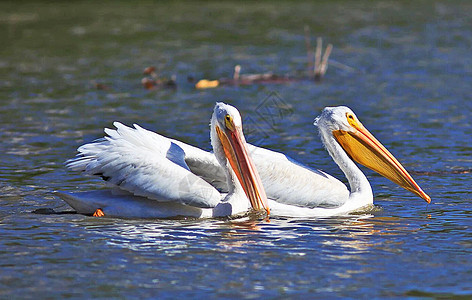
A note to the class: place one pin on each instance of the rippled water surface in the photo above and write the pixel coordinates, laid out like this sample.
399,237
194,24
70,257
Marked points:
405,69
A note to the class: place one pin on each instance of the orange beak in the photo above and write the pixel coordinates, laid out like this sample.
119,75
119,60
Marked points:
237,153
365,149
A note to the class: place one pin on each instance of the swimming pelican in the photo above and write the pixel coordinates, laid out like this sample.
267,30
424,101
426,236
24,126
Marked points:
345,139
297,190
151,179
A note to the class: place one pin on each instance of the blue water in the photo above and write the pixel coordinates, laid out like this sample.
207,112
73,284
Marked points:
404,68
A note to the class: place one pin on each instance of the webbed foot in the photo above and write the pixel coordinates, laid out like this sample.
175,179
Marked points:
98,213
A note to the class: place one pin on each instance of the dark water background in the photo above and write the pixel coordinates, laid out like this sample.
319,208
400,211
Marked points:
410,84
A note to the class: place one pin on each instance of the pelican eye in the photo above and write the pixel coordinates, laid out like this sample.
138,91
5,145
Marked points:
351,120
229,122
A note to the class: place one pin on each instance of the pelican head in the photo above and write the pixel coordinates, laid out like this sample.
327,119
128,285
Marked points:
229,144
364,148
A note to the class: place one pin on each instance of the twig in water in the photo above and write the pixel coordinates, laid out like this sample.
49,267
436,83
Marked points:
321,63
318,51
324,61
237,71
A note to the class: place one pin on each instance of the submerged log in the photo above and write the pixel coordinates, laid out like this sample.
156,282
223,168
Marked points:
245,79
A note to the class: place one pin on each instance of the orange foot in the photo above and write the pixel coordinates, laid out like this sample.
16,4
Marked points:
98,213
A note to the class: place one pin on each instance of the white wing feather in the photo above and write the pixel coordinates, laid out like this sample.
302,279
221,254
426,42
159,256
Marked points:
145,164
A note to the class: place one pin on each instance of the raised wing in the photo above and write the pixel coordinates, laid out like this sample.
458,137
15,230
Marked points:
145,164
205,165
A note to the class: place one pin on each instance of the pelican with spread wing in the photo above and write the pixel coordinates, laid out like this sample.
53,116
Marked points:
150,177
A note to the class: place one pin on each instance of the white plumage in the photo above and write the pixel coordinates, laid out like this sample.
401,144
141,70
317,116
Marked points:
149,176
146,164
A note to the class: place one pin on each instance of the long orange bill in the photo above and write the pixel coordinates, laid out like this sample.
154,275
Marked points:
243,166
365,149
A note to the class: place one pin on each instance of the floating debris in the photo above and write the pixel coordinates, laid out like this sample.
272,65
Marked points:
321,64
207,84
150,71
244,79
100,86
154,82
317,68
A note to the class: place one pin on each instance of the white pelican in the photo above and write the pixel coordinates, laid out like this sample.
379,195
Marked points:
345,139
151,179
297,190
